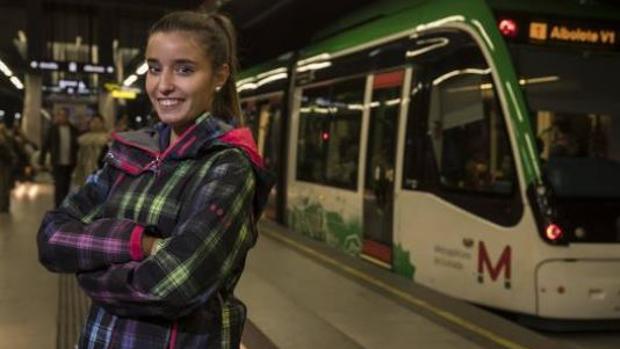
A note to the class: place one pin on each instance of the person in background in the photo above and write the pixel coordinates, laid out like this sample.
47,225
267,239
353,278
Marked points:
121,125
559,139
159,236
8,159
91,144
24,149
61,143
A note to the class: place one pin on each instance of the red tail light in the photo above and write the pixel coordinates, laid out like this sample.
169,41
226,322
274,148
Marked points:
554,232
508,27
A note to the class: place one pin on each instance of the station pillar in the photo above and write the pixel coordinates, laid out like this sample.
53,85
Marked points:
31,115
107,109
33,82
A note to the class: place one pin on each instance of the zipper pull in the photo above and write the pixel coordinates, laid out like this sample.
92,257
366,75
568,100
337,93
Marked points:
155,165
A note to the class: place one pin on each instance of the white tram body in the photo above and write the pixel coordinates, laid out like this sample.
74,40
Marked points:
360,178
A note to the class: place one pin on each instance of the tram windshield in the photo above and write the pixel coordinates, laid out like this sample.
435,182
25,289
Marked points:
574,103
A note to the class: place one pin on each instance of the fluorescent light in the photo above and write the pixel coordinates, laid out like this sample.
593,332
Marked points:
319,57
17,83
247,86
142,69
271,72
314,66
392,102
271,78
5,69
130,80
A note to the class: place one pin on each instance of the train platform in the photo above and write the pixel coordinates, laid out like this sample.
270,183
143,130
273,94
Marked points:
300,294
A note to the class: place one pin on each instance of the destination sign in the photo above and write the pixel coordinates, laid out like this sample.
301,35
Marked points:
565,33
519,27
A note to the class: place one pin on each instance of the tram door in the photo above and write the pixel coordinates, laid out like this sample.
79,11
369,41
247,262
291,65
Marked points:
380,167
269,140
263,116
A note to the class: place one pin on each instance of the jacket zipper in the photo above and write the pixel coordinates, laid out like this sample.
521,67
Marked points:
154,165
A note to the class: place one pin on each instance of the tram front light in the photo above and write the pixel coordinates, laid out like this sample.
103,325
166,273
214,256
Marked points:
554,232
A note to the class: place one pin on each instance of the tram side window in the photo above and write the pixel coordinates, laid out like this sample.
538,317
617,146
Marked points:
466,133
329,134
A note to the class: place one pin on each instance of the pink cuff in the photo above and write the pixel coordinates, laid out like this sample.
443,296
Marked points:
135,243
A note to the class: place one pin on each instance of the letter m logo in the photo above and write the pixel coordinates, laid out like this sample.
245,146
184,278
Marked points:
486,266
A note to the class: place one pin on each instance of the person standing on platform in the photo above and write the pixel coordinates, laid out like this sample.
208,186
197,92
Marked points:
61,143
91,145
24,149
8,160
159,236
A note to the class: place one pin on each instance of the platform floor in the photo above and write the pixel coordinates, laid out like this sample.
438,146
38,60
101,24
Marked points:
28,293
300,294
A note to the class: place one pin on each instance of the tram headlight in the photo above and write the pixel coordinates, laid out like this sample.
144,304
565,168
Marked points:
553,232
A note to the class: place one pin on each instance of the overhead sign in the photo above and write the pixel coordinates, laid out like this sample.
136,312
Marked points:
539,30
124,94
72,67
111,86
546,31
71,87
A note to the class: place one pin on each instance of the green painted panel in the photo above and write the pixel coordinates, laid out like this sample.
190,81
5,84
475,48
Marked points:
402,262
312,220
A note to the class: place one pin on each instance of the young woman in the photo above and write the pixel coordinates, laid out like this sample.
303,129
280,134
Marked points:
158,237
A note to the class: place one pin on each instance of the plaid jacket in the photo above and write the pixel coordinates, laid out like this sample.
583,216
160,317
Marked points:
202,195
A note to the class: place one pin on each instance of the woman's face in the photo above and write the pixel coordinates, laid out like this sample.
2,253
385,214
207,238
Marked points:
180,81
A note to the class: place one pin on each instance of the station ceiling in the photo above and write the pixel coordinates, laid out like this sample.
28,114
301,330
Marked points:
266,28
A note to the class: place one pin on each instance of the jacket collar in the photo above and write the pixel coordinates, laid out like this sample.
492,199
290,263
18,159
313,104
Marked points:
136,151
147,141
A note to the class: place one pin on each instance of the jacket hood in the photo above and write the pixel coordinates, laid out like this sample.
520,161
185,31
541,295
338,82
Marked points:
242,138
139,151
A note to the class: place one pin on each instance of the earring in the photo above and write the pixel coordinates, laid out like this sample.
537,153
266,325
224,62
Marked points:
217,88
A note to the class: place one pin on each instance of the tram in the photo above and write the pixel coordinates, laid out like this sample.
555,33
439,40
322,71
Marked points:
471,146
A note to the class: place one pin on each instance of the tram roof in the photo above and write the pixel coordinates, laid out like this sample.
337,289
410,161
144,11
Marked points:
570,8
281,61
384,18
389,17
